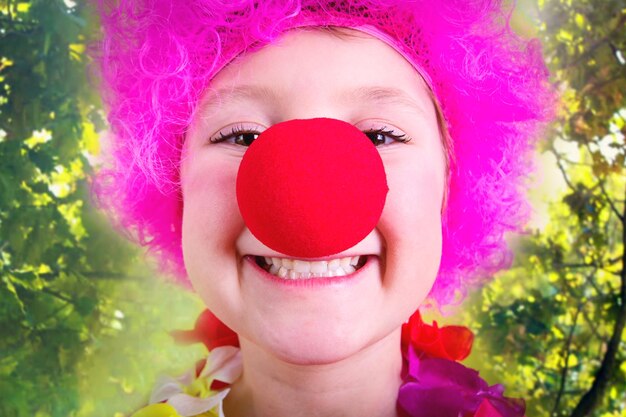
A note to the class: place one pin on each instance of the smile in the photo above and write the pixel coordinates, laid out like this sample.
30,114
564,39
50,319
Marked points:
287,268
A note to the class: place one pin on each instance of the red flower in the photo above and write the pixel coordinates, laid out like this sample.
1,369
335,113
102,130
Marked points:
486,409
449,342
208,330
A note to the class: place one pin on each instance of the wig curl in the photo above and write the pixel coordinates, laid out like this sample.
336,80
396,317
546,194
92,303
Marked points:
156,58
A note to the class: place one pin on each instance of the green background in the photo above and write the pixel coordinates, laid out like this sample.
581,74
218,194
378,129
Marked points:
84,317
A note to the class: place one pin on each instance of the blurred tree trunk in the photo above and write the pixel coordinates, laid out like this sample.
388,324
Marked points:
556,320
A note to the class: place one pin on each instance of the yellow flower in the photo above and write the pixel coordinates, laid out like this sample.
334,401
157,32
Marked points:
157,410
200,388
190,394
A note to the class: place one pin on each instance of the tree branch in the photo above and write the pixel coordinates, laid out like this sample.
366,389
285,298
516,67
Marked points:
589,279
101,275
566,354
596,265
592,327
600,183
53,314
562,169
57,295
601,83
614,209
592,48
595,394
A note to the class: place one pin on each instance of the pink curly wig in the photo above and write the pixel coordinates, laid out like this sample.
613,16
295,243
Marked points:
157,57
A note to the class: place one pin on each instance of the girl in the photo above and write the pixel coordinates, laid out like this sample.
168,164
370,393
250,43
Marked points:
319,171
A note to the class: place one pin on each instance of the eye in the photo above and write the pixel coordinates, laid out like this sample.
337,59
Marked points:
244,136
238,135
386,136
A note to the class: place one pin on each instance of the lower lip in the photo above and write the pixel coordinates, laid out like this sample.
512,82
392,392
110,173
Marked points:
313,282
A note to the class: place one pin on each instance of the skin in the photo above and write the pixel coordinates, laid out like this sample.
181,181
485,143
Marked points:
334,349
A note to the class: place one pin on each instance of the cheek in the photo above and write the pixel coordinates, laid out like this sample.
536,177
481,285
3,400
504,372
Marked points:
412,210
411,227
211,219
211,225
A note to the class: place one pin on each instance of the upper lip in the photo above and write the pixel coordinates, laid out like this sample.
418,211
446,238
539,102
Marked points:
248,245
326,258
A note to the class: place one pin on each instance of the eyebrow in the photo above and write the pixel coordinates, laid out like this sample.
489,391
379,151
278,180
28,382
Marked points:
384,95
366,94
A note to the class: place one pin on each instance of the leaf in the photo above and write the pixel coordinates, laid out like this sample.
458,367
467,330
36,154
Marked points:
43,160
85,305
11,300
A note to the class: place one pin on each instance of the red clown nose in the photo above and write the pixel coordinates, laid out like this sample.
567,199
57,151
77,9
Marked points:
311,188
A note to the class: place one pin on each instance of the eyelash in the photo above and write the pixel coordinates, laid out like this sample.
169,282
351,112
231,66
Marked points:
386,131
236,131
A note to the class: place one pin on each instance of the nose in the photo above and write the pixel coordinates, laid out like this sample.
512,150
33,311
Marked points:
311,188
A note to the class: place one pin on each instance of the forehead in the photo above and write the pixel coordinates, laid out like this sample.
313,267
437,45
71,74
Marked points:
308,66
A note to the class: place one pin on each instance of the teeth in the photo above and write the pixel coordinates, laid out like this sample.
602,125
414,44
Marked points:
299,269
319,267
334,264
345,262
301,266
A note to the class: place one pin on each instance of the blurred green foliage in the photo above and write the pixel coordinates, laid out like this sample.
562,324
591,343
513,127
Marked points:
82,325
553,325
83,321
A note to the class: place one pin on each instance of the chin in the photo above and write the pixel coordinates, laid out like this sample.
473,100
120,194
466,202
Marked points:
314,348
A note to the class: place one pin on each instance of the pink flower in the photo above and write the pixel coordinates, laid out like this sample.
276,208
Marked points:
437,387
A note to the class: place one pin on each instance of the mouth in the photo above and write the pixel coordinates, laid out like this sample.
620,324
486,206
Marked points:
294,269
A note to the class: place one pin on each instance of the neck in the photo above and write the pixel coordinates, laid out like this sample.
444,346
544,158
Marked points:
364,384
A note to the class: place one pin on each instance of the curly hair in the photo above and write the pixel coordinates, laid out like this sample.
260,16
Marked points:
156,58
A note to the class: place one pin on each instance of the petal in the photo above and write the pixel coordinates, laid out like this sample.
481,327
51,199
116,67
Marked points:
457,342
188,406
487,410
221,409
208,330
443,372
187,378
414,360
448,342
429,402
224,363
450,388
184,337
157,410
415,321
164,388
507,407
435,372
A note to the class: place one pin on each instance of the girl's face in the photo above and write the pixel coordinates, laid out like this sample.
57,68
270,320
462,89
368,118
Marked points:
310,74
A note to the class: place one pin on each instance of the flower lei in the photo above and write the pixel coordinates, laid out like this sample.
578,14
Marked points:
435,384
